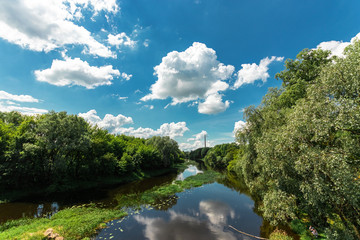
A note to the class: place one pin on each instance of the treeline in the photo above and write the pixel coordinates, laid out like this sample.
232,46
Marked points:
54,148
221,155
301,145
197,154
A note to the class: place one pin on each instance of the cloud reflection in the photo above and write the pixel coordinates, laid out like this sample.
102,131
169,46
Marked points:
181,226
190,171
216,211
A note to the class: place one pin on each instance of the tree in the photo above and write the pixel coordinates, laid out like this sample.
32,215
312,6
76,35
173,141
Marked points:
302,144
168,149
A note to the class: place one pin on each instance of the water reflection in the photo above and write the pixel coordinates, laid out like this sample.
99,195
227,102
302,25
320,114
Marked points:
216,211
181,226
200,213
106,197
42,211
190,171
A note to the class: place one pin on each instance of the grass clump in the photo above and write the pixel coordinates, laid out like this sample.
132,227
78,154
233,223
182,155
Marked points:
160,192
279,235
71,223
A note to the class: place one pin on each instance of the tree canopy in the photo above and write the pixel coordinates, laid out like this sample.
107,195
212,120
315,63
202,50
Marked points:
302,143
54,148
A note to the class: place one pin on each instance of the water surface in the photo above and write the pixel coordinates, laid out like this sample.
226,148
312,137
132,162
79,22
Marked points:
198,213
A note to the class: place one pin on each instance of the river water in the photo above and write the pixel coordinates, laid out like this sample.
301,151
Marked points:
199,213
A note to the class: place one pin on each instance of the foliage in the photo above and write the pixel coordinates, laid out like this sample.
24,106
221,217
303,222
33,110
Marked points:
279,235
219,156
198,154
301,145
152,196
55,149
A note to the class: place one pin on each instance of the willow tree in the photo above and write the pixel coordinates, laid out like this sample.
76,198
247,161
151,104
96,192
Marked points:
303,143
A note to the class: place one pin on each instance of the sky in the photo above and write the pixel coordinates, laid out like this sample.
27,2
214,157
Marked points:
179,68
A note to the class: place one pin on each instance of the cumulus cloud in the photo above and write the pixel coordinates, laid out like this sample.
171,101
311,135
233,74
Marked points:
18,98
8,103
213,104
249,73
167,129
121,39
337,47
109,122
190,75
114,125
126,76
195,142
239,125
47,25
76,72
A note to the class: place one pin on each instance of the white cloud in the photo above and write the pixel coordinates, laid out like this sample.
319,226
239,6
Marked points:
126,76
151,107
213,104
197,141
8,103
167,129
122,98
18,98
76,72
47,25
114,125
146,43
239,125
109,122
99,5
252,72
5,107
337,47
190,75
121,39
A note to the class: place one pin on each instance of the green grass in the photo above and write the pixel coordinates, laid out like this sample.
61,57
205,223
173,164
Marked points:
155,194
301,227
279,235
71,223
83,221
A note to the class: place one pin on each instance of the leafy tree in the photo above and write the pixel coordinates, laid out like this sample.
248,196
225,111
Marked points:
168,149
219,156
301,145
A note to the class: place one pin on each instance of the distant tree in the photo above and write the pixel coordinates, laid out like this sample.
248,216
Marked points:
168,149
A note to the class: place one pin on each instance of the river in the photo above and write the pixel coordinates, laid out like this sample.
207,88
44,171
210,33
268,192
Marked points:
205,212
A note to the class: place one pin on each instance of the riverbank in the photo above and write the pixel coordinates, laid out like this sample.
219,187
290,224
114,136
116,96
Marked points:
72,223
74,186
82,222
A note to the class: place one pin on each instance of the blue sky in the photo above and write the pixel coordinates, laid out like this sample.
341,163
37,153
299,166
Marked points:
181,68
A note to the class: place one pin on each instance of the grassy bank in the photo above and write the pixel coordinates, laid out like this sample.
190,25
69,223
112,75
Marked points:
160,192
82,222
71,223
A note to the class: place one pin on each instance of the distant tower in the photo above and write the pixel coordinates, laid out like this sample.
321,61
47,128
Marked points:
205,140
